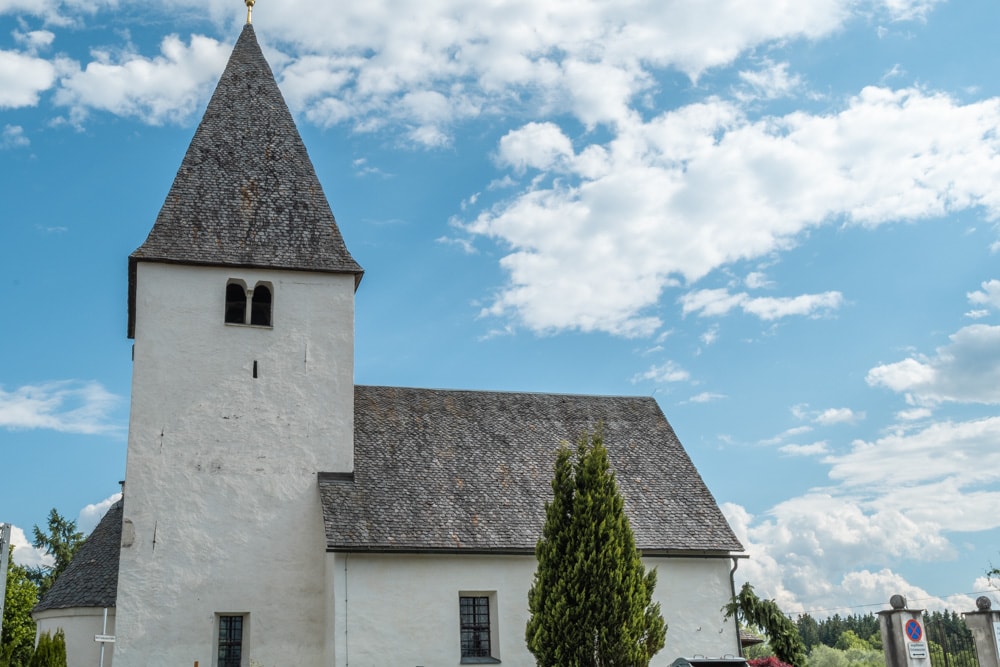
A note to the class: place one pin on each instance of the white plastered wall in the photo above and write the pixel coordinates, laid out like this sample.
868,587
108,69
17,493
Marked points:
80,626
222,511
403,609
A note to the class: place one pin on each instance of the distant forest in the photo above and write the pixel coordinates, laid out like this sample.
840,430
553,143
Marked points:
856,641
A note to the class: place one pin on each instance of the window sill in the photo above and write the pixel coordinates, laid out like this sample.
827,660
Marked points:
480,661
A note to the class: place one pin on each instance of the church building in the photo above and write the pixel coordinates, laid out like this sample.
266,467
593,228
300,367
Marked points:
277,514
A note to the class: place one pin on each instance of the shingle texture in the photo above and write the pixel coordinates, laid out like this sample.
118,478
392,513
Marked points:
471,471
91,578
246,193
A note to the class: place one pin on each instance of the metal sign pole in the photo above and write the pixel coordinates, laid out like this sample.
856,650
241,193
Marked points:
4,559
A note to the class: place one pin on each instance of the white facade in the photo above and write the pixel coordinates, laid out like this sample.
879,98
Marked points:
403,609
229,426
80,625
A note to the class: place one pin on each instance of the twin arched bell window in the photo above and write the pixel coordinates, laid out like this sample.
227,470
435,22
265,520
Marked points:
248,306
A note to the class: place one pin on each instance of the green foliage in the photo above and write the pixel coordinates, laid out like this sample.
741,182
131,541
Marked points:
765,616
18,638
849,640
822,655
591,600
61,542
51,651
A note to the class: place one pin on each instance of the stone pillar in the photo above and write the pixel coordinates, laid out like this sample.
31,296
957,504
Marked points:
904,637
985,626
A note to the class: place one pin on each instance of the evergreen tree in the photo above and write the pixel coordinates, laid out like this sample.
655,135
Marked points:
61,542
591,599
808,630
51,650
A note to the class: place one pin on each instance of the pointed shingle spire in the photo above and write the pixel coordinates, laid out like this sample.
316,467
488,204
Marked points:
246,194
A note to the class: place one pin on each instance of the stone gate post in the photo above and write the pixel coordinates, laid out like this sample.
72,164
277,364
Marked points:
985,627
904,638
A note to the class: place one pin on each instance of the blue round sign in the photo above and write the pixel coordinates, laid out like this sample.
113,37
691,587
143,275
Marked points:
914,631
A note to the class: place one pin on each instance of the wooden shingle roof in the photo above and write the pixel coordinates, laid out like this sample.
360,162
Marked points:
246,194
91,578
470,471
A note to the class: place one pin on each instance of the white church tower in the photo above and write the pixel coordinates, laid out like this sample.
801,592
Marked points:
241,305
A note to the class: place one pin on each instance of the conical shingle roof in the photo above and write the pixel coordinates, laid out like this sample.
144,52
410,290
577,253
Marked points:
246,194
91,578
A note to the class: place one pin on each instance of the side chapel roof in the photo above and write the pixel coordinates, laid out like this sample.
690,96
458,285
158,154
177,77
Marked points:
246,193
91,578
469,471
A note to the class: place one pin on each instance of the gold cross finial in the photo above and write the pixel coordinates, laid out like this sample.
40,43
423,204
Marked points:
250,10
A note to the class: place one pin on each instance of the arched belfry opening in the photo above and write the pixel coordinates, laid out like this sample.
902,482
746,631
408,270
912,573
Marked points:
260,305
236,302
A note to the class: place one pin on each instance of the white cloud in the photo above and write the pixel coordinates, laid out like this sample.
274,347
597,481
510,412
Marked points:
13,137
66,406
92,514
769,82
988,296
757,280
814,449
967,370
706,397
838,416
24,553
703,187
668,372
34,40
535,146
913,414
949,455
167,88
23,77
716,302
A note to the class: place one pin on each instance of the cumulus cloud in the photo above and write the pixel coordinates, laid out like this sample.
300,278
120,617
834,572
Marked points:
702,187
967,370
67,406
988,296
24,553
23,77
809,548
166,88
92,514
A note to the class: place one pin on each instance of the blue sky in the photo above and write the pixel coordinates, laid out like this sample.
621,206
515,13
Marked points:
779,220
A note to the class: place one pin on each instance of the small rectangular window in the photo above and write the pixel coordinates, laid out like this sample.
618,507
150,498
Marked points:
230,641
477,627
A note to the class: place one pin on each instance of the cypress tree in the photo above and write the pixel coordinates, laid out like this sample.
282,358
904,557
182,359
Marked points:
591,600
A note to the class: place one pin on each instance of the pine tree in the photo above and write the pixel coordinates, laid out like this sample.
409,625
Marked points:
591,600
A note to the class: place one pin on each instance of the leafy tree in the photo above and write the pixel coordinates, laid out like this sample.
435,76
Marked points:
591,599
61,542
765,615
822,655
849,640
18,638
